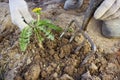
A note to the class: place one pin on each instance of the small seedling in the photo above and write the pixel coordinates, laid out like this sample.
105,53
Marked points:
40,28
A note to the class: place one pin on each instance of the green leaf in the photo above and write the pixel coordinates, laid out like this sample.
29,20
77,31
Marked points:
43,22
54,27
40,38
47,32
48,24
51,37
25,38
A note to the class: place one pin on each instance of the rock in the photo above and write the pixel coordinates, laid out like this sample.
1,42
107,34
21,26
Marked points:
86,76
65,50
56,57
1,56
66,77
58,68
51,52
12,54
44,74
111,68
55,75
17,56
10,75
18,77
69,69
53,6
33,72
93,67
53,65
95,78
79,39
28,61
107,77
49,69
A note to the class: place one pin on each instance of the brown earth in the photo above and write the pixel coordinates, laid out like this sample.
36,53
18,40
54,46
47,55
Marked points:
57,61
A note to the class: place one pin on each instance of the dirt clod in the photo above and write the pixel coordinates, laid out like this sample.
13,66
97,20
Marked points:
32,73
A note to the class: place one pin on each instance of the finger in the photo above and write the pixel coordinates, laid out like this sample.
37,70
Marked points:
105,6
23,9
20,23
112,10
115,15
26,14
18,20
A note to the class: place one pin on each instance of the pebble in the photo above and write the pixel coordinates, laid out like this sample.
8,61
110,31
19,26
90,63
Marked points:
93,66
86,76
66,77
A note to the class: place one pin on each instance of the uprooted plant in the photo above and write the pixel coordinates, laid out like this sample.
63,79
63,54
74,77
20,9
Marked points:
40,28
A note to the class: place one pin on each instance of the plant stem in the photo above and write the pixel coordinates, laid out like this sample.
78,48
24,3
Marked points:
38,18
39,38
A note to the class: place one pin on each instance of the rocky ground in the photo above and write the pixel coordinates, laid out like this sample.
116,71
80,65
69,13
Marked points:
58,60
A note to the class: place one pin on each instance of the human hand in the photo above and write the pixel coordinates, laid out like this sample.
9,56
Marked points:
19,13
109,9
109,13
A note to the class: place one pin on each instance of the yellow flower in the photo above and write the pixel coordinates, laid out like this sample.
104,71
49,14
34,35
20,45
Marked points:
36,10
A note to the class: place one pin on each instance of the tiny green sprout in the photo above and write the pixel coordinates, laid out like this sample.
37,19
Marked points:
40,28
